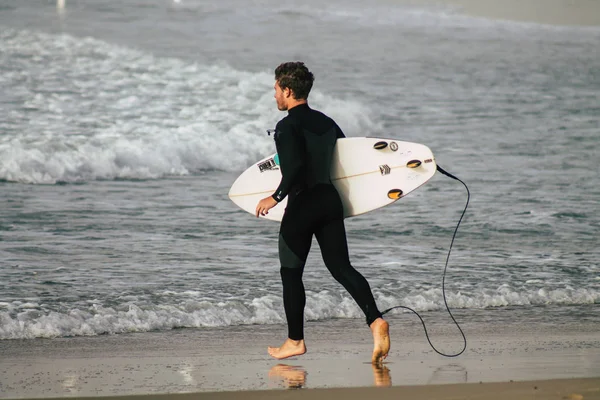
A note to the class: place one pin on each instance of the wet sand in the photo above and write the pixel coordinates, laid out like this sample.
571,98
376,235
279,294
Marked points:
233,363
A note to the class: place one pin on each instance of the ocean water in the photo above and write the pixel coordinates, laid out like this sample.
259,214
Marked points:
123,125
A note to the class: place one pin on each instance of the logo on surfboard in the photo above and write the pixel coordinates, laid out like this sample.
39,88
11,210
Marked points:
268,165
385,169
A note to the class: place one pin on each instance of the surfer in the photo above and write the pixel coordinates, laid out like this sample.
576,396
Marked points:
305,141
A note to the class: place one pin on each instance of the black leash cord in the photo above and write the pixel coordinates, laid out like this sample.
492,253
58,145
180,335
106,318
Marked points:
444,279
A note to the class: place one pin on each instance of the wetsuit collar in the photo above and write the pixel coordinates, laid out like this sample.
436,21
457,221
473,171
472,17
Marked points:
298,109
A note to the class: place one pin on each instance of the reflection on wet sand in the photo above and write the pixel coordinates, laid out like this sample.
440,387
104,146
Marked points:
294,377
382,376
451,373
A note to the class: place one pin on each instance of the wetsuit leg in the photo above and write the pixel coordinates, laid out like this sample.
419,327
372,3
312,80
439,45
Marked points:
295,239
334,249
317,211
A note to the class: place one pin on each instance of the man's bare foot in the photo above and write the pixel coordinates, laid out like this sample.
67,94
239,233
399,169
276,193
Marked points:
381,340
289,348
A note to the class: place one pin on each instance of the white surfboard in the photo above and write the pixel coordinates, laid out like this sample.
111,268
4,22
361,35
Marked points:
368,173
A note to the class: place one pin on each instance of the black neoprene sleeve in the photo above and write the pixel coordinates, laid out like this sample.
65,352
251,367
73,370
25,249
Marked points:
290,148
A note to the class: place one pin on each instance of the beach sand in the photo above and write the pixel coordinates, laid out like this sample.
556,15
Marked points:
553,12
508,361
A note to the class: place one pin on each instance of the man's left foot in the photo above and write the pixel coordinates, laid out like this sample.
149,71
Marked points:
381,340
290,348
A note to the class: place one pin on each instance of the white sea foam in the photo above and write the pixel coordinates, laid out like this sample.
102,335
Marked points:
29,320
83,109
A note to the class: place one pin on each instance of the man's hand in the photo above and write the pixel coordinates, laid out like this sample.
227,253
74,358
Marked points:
265,205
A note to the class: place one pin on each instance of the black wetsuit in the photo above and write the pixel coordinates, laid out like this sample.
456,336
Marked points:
305,141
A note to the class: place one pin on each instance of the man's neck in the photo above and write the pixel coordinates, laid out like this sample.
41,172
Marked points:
294,103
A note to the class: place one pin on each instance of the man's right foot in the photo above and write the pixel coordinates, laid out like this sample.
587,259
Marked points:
381,340
289,348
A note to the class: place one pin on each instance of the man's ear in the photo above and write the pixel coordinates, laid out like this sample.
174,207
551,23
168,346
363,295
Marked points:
287,92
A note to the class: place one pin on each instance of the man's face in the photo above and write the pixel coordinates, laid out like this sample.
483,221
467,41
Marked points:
281,96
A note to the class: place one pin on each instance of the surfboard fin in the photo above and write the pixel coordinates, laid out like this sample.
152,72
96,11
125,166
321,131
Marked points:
395,194
380,145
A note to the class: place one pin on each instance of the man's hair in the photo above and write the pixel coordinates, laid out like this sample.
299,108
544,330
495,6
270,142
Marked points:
296,77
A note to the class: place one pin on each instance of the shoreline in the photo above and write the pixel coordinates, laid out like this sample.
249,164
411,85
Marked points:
223,363
549,12
558,389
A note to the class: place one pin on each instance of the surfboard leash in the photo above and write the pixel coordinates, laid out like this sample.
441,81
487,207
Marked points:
441,170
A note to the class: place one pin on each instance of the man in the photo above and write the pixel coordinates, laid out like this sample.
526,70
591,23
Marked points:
305,141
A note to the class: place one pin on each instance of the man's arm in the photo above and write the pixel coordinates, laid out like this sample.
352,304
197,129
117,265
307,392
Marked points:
290,148
291,151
